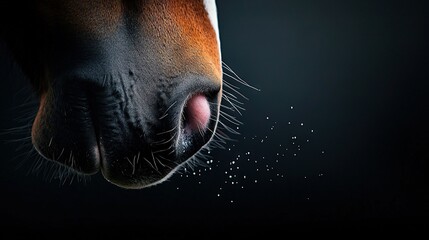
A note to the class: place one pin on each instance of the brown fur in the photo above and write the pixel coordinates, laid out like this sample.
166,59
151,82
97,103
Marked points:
184,22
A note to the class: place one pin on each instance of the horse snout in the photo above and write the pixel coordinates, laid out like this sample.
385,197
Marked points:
137,133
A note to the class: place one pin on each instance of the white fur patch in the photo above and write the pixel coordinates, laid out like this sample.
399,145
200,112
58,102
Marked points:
210,6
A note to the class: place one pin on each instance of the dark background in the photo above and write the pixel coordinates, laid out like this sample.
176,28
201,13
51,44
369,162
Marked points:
355,72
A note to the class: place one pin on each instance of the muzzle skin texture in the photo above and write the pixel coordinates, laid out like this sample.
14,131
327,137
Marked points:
128,88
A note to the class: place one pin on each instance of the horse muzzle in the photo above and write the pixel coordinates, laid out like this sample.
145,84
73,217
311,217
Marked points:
137,132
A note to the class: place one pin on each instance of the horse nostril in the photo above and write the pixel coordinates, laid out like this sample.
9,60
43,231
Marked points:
198,122
196,114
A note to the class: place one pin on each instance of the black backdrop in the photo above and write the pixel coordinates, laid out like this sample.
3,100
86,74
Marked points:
336,140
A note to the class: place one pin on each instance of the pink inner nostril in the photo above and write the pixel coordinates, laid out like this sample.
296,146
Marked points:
197,113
